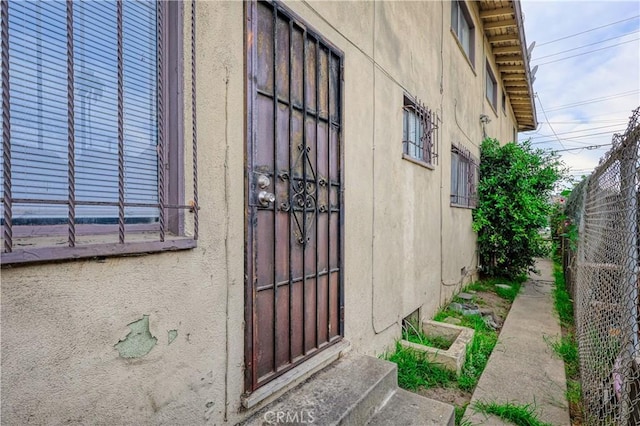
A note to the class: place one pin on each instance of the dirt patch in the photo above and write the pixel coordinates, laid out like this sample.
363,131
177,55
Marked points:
452,396
488,300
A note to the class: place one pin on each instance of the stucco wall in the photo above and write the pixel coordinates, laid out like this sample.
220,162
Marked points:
60,321
405,245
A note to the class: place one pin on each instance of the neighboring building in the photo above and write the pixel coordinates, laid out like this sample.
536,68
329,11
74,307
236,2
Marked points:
359,212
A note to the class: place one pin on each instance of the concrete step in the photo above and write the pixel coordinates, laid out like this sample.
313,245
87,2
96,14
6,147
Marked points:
348,392
355,390
407,408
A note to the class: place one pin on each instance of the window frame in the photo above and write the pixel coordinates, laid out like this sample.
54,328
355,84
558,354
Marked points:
490,76
428,121
460,13
37,243
469,175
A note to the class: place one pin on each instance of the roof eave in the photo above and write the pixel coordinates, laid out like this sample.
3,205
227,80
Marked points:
523,43
504,28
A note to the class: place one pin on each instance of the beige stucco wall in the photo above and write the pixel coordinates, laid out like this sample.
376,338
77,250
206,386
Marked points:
60,321
404,245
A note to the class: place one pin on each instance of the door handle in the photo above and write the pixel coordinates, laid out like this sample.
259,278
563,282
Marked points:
265,198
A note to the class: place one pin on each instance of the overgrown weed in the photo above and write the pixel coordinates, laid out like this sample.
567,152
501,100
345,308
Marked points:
416,370
520,415
567,346
413,332
562,298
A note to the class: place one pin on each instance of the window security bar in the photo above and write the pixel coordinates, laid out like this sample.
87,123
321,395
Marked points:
12,197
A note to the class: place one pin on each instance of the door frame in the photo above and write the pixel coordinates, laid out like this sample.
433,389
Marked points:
250,34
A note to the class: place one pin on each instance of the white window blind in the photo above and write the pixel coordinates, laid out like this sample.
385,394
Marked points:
39,110
462,27
464,170
413,134
491,88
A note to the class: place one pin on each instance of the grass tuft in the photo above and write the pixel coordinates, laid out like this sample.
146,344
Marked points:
520,415
509,293
562,299
574,391
567,347
490,285
478,354
414,333
459,413
415,370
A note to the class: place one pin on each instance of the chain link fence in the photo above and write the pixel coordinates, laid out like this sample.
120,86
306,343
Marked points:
573,210
602,274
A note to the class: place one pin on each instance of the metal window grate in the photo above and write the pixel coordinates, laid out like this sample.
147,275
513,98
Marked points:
420,131
121,224
464,177
7,229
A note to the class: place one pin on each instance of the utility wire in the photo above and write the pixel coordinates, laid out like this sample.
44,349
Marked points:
594,100
587,45
590,51
582,130
547,118
574,138
591,147
621,121
607,114
589,30
587,169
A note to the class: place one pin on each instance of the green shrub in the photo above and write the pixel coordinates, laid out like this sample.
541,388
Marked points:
515,184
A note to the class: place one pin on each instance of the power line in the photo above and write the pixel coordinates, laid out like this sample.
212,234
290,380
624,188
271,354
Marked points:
592,147
620,121
609,114
547,118
587,169
589,30
595,100
590,51
583,130
587,45
574,138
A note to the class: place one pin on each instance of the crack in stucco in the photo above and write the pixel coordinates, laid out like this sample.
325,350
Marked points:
139,341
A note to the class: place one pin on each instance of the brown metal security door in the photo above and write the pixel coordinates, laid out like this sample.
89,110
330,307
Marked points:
294,175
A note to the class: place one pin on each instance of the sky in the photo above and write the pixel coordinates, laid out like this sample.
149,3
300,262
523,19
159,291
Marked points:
588,78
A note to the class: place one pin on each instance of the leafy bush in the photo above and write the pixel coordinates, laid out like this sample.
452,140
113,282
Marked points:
515,184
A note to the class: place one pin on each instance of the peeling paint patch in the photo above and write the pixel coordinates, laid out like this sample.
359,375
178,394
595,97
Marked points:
139,341
172,335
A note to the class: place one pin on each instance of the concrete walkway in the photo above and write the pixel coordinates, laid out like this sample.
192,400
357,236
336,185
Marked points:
523,369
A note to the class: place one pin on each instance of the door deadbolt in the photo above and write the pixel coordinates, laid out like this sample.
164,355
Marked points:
263,181
266,198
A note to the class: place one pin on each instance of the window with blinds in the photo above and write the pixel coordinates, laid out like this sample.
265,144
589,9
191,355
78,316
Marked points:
39,122
84,116
491,87
419,132
464,175
462,26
